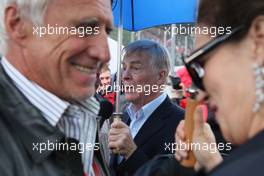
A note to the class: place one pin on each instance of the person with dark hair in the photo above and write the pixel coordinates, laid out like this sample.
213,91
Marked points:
105,76
105,89
229,68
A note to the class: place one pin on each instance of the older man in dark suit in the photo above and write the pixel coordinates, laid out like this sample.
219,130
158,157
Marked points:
150,120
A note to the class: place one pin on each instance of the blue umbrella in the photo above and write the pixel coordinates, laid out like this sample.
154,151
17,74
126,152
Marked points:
142,14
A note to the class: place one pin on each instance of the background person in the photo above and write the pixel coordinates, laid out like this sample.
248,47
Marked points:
105,88
150,120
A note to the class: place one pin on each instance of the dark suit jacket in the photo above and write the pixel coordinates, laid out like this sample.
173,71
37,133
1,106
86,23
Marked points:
246,160
157,131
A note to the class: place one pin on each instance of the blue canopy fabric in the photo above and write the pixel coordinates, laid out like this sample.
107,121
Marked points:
142,14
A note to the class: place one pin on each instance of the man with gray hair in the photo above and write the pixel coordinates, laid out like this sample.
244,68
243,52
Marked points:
150,121
51,51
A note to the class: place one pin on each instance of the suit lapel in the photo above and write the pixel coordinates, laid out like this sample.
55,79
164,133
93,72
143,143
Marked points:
154,123
126,119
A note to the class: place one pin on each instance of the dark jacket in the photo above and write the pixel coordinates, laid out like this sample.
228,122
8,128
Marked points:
164,165
246,160
22,129
151,139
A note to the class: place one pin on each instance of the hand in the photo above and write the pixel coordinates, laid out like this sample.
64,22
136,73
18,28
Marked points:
202,135
120,139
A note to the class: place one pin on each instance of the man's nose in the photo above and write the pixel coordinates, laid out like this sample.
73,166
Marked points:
126,75
99,48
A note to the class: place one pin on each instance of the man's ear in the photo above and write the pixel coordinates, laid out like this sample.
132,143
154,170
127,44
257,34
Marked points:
162,77
256,33
15,26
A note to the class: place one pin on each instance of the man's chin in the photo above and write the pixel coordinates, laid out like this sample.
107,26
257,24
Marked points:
131,97
82,94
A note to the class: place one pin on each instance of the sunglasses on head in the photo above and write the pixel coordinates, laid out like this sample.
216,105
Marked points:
193,61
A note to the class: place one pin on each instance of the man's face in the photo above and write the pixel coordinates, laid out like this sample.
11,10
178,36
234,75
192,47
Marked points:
138,72
66,64
105,78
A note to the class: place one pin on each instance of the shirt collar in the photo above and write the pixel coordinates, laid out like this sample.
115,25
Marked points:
51,107
147,109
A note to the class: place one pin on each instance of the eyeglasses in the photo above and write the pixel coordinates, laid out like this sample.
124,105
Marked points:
193,61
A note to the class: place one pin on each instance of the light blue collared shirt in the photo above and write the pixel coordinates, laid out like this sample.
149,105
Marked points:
141,116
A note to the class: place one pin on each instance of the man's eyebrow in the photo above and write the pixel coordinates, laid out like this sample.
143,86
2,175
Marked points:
136,62
92,21
133,62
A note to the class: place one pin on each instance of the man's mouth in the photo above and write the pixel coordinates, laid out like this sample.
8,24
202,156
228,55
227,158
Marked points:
85,69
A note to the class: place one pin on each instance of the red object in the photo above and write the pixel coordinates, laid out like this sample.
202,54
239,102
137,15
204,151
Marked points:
187,82
96,169
185,77
183,103
110,97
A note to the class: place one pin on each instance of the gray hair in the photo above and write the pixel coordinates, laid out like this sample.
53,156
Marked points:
156,53
33,10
